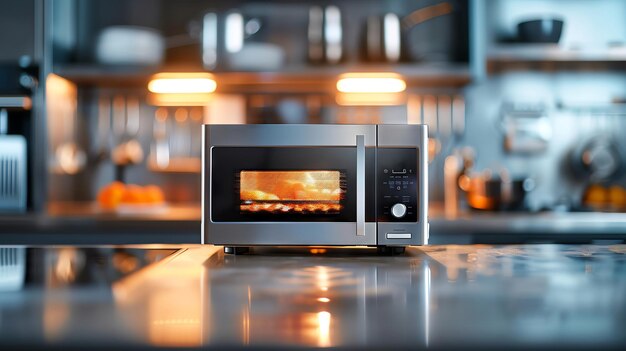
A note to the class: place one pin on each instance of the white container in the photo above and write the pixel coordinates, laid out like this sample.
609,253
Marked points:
130,45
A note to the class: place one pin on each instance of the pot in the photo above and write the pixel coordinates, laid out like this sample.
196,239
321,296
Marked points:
597,160
545,30
488,193
325,35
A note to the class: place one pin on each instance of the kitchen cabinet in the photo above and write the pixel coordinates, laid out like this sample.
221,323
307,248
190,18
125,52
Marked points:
18,30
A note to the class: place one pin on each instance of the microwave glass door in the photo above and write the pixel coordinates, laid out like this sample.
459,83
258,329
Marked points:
306,193
285,184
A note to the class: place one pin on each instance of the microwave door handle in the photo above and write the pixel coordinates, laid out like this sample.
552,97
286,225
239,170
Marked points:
360,185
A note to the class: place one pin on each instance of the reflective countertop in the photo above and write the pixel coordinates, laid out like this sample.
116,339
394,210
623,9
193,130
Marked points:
436,297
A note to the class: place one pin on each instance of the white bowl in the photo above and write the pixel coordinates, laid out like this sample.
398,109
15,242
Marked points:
130,45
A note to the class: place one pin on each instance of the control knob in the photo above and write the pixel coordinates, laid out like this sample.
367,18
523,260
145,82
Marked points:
398,210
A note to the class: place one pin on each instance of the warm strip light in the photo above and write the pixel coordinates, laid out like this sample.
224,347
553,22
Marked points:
182,83
371,83
179,99
370,99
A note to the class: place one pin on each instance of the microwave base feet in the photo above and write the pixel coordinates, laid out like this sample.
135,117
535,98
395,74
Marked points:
391,250
236,250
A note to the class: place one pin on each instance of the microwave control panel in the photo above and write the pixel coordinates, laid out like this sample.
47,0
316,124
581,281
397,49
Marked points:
397,178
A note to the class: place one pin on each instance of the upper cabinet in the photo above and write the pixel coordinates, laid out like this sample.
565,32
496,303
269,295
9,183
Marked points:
17,30
270,43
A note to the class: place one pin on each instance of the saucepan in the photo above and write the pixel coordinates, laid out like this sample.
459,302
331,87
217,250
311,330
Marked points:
496,192
540,30
384,35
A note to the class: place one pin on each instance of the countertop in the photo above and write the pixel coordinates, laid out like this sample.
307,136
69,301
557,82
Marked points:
475,296
86,224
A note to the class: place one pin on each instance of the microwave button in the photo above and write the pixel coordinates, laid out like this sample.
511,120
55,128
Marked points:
398,235
398,210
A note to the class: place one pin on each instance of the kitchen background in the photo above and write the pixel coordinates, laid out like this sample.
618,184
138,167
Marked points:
525,101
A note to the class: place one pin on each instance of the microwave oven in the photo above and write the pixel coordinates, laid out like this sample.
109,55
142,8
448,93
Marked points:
314,185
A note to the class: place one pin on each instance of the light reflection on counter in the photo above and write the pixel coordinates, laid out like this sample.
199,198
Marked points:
165,301
199,297
339,297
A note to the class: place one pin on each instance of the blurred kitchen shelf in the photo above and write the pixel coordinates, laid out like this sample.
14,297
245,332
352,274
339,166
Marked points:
24,102
83,223
294,79
553,52
552,57
178,165
172,212
470,226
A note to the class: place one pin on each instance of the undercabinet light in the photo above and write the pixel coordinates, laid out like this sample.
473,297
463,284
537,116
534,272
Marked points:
367,82
182,83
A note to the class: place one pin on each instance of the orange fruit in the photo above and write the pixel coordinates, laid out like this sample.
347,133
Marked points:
617,197
134,194
111,195
596,196
154,194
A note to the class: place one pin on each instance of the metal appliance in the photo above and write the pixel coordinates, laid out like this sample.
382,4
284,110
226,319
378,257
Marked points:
16,134
12,168
317,185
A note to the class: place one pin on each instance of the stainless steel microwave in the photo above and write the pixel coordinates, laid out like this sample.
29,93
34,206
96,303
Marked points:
314,185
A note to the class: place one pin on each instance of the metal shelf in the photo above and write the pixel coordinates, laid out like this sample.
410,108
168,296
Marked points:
21,102
294,79
553,52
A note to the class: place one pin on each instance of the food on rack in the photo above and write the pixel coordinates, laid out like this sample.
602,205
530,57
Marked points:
299,192
292,207
305,200
115,194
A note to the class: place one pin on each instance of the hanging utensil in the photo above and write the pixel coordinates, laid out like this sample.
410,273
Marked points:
70,155
196,119
526,128
104,137
181,135
161,148
126,126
